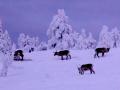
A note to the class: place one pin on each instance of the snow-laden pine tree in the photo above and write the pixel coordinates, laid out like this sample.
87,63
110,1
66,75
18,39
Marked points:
60,33
5,50
42,46
13,47
81,40
21,41
83,33
105,39
36,42
29,43
115,34
83,37
76,40
90,41
25,42
5,42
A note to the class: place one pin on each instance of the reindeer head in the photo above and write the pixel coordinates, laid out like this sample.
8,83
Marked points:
55,53
107,49
79,69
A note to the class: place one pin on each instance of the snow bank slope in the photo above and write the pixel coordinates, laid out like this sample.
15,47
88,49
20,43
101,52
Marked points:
43,71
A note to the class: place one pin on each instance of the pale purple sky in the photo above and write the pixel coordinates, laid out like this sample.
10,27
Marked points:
34,16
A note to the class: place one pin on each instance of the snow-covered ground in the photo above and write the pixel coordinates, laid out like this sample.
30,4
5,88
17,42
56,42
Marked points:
44,71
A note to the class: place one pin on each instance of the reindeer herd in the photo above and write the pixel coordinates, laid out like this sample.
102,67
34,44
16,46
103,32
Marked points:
19,56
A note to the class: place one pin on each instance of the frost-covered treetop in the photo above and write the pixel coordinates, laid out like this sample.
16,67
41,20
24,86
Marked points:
105,28
59,22
115,31
105,37
83,33
60,32
104,32
61,16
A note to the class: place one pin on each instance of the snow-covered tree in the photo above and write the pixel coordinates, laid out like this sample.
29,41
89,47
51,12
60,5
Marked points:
28,43
104,37
83,33
36,41
90,41
81,40
5,50
5,42
60,32
115,34
42,46
21,40
13,47
25,42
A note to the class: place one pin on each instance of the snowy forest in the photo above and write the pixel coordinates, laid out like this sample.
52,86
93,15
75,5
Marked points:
61,36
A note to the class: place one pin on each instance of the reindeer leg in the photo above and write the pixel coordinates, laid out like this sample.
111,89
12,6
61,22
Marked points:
95,55
82,72
61,57
66,57
70,56
18,58
92,71
98,55
102,54
22,57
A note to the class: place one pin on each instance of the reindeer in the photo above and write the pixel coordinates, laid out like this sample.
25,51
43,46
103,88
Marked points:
63,53
101,50
86,67
18,54
31,50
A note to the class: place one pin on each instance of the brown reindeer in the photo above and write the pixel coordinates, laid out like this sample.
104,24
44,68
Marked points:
63,53
86,67
18,55
101,50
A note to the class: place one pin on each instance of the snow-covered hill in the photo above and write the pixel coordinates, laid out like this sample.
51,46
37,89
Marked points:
43,71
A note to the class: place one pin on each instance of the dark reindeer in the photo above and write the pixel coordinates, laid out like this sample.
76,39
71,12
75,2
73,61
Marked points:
101,50
63,53
86,67
18,55
31,50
